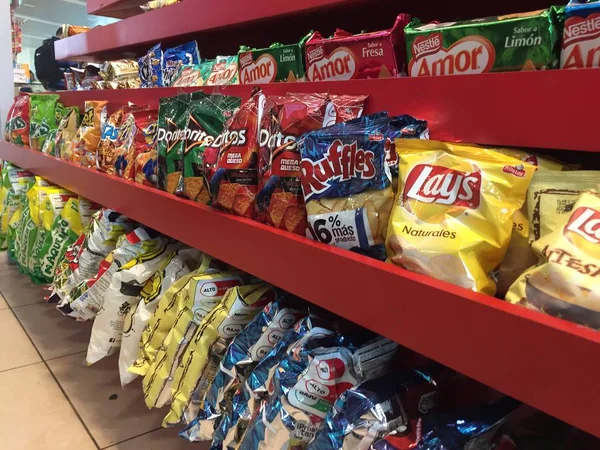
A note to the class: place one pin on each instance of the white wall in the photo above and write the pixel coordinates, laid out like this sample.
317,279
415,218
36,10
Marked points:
27,56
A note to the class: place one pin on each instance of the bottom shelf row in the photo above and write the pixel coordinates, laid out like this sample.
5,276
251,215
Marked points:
239,362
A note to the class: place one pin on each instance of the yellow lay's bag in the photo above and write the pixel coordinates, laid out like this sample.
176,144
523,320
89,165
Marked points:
566,282
452,218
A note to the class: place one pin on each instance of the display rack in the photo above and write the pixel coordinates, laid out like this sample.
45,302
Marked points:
545,362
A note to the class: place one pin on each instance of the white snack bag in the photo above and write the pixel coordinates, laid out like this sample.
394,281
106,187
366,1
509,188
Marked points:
123,292
176,265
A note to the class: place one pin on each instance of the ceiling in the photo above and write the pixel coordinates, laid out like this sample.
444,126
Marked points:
43,17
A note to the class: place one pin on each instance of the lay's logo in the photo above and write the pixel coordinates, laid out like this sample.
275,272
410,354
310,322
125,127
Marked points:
341,162
586,223
436,184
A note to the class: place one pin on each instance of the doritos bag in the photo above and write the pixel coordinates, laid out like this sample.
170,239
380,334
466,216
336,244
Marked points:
17,122
231,163
279,201
85,143
565,282
452,218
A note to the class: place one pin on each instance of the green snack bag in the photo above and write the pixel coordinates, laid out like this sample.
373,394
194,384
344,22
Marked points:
14,224
172,124
62,115
224,71
514,42
276,63
42,119
207,117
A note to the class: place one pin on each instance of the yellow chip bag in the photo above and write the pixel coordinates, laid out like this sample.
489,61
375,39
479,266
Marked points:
452,218
566,282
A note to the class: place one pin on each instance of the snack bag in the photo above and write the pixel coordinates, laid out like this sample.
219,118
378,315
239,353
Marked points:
551,197
200,361
346,183
126,149
120,74
207,117
110,140
232,175
565,282
224,71
173,118
452,218
150,66
176,57
64,231
126,284
14,225
146,131
191,308
42,118
178,263
87,209
278,62
189,76
345,56
279,201
155,4
375,408
85,143
146,167
17,122
579,40
522,41
68,121
67,130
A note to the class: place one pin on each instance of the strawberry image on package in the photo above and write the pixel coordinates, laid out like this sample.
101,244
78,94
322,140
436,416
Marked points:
348,56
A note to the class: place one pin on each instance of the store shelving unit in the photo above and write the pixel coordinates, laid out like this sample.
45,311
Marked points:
119,9
547,363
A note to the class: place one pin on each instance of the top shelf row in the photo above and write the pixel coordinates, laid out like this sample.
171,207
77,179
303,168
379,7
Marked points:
257,24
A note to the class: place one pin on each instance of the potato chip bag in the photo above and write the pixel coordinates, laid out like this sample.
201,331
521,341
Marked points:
110,140
279,201
231,162
178,263
146,168
85,143
201,359
146,132
14,225
87,209
67,130
173,120
62,114
17,122
125,152
452,218
42,118
207,117
551,197
346,183
565,283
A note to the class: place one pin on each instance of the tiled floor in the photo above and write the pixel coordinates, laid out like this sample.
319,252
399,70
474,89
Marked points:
50,401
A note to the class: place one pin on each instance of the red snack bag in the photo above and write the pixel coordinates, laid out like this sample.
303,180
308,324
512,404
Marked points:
348,56
231,163
280,201
17,122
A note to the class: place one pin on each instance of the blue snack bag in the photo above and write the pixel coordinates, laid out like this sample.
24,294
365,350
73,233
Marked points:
150,66
374,408
177,57
243,353
347,183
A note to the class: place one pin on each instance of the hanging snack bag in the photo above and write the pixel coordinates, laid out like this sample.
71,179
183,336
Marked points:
123,294
452,219
233,174
176,57
207,117
345,56
522,41
173,120
565,282
87,209
224,71
17,122
346,183
85,143
178,263
146,132
110,140
67,130
42,118
125,151
280,202
150,66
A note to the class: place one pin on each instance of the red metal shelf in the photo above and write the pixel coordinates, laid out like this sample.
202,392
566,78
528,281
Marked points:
222,26
545,362
119,9
522,109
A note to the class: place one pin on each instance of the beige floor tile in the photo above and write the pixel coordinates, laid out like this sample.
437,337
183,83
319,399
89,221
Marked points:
18,290
15,347
3,304
164,439
52,333
35,415
90,390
